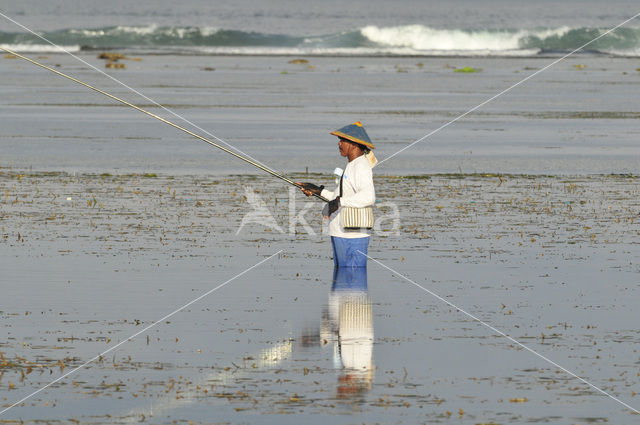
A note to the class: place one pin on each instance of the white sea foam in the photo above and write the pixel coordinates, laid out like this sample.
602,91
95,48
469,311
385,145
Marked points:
421,38
88,32
356,51
626,53
39,48
121,29
179,32
207,31
140,30
546,33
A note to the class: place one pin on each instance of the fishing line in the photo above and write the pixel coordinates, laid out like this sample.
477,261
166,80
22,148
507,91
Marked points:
508,89
153,324
128,87
499,332
159,118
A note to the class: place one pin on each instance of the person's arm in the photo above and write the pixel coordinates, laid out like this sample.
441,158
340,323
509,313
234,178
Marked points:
330,195
365,193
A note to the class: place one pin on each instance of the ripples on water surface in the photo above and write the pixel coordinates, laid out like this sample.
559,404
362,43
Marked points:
88,260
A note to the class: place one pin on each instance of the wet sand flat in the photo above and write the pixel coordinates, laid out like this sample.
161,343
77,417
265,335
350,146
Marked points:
577,117
90,259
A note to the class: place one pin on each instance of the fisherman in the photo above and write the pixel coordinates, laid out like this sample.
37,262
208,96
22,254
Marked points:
349,210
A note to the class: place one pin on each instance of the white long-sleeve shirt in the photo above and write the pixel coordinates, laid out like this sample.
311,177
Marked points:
357,192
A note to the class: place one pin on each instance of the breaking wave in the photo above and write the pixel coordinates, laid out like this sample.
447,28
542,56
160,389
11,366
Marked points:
370,40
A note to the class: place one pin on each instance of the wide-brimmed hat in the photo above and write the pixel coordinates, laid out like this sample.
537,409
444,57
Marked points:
354,132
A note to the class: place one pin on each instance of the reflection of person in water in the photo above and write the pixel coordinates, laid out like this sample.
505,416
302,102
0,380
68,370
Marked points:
350,317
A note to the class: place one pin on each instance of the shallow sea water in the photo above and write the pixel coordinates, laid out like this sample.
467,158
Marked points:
578,117
89,260
109,221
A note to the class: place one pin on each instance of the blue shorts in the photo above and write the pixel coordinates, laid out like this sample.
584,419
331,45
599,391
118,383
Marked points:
345,251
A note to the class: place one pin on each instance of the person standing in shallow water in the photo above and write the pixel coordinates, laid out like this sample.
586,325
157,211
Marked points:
354,190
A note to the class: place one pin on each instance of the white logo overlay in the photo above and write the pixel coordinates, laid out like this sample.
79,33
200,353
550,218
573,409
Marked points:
386,223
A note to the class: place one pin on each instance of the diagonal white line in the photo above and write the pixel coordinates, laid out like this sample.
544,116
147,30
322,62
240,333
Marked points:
138,333
130,88
499,332
508,89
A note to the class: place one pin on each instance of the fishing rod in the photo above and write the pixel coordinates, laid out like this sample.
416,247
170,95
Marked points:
159,118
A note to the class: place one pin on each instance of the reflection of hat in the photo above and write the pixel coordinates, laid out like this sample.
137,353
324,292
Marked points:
354,132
